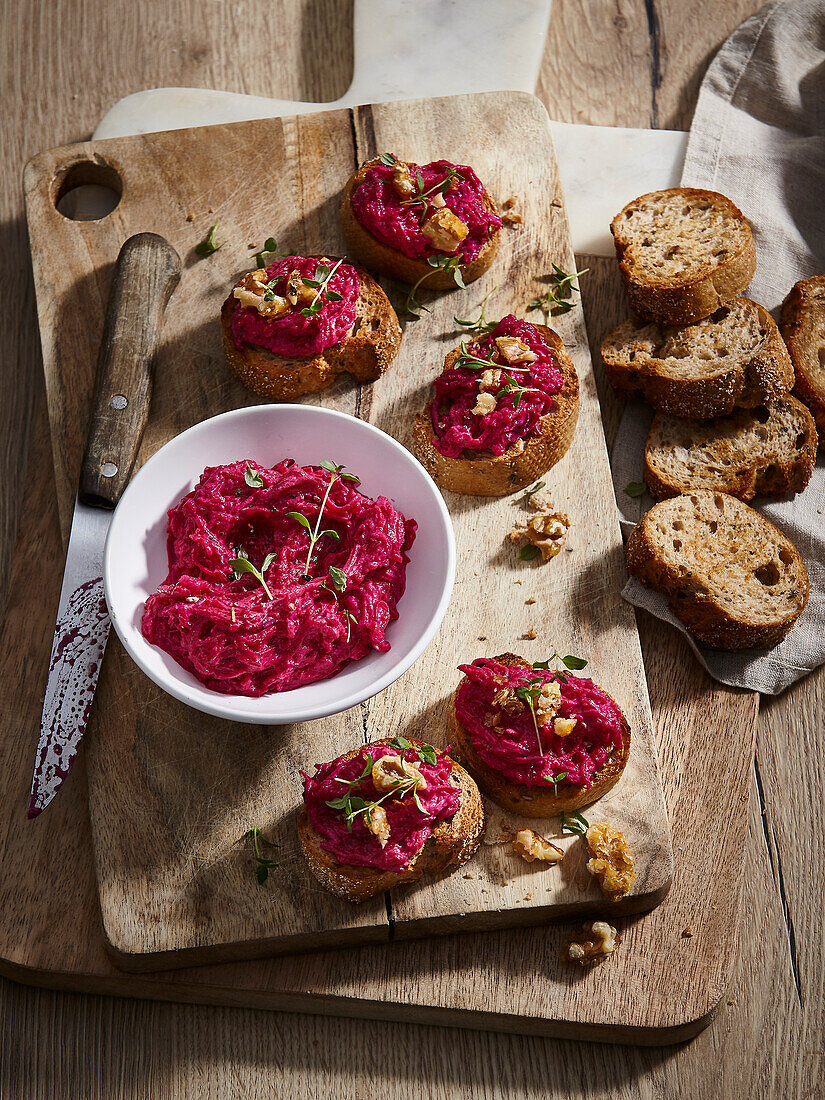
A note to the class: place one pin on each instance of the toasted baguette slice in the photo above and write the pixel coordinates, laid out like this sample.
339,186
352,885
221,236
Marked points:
769,450
803,325
450,844
734,358
734,580
534,801
365,353
496,475
682,253
389,261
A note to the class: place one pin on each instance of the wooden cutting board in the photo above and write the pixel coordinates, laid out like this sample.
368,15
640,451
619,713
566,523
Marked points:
173,792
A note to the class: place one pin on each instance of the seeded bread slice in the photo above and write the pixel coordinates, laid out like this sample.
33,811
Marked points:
769,450
737,357
518,798
365,352
682,253
734,580
380,258
451,843
488,475
803,326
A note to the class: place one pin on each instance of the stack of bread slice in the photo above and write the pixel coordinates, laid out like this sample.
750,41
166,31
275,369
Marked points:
716,370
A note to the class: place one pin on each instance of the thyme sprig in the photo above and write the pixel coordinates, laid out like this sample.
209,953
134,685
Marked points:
574,823
338,472
252,478
208,245
241,564
270,248
558,297
423,195
320,284
555,780
529,692
480,325
635,488
573,664
338,579
452,264
353,805
426,753
262,863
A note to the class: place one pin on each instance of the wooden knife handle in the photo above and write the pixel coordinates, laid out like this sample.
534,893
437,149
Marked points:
147,271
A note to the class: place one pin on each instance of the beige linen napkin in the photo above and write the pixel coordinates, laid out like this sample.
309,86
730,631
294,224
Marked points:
758,136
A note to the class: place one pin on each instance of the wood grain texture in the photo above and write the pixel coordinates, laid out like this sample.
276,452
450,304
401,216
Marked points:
767,1040
172,792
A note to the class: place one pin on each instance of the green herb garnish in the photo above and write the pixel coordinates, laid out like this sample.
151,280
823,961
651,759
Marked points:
557,297
338,580
242,564
535,488
252,478
323,275
354,805
389,159
529,552
269,249
426,753
556,779
452,264
574,664
315,533
422,196
208,245
574,823
635,488
481,324
529,692
263,864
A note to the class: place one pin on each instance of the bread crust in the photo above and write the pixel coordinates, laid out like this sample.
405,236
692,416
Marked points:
365,353
767,374
696,293
451,844
534,801
769,473
697,609
389,261
804,304
519,466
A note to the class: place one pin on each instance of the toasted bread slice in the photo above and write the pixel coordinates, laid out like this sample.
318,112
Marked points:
734,580
769,450
365,352
451,843
534,801
682,253
523,462
803,325
389,261
734,358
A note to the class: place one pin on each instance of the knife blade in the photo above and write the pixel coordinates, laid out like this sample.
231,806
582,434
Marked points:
146,273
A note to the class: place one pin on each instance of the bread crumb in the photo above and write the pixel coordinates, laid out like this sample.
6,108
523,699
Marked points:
511,218
509,203
190,217
687,933
517,581
530,600
530,635
482,637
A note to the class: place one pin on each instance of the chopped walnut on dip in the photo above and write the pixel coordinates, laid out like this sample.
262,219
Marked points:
530,846
612,862
594,943
252,290
444,230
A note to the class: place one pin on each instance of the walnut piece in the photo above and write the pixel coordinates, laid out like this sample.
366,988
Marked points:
612,862
595,942
378,824
511,217
548,702
444,230
389,772
546,530
251,293
563,727
485,404
530,846
514,350
489,380
402,181
297,290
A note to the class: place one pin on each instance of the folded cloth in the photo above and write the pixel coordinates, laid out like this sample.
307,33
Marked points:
758,136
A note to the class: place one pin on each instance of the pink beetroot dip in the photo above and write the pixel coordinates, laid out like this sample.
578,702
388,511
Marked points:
409,828
456,428
512,748
227,631
293,333
380,210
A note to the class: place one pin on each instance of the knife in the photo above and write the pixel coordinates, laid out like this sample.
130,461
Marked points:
147,271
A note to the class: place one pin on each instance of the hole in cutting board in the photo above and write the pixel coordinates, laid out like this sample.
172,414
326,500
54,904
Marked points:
87,191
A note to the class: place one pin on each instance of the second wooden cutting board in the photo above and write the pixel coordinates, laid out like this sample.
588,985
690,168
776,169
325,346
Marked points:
173,792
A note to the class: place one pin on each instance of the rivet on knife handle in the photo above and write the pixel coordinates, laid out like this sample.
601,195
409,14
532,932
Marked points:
147,271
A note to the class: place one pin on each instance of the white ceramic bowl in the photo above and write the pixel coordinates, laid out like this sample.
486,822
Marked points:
135,561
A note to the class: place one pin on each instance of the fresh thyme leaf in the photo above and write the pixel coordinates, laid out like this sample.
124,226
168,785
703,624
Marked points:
557,297
556,779
323,275
389,159
252,478
535,488
635,488
428,754
574,823
262,863
400,742
529,552
412,307
270,248
542,664
481,325
337,470
208,245
299,517
338,578
529,692
574,663
244,565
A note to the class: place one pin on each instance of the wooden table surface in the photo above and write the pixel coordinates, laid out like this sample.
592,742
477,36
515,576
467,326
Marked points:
623,62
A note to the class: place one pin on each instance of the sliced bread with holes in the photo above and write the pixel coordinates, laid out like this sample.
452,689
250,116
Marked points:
732,578
769,450
365,352
803,326
379,257
737,357
682,253
448,844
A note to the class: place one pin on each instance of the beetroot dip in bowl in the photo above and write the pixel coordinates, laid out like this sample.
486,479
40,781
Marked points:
397,605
